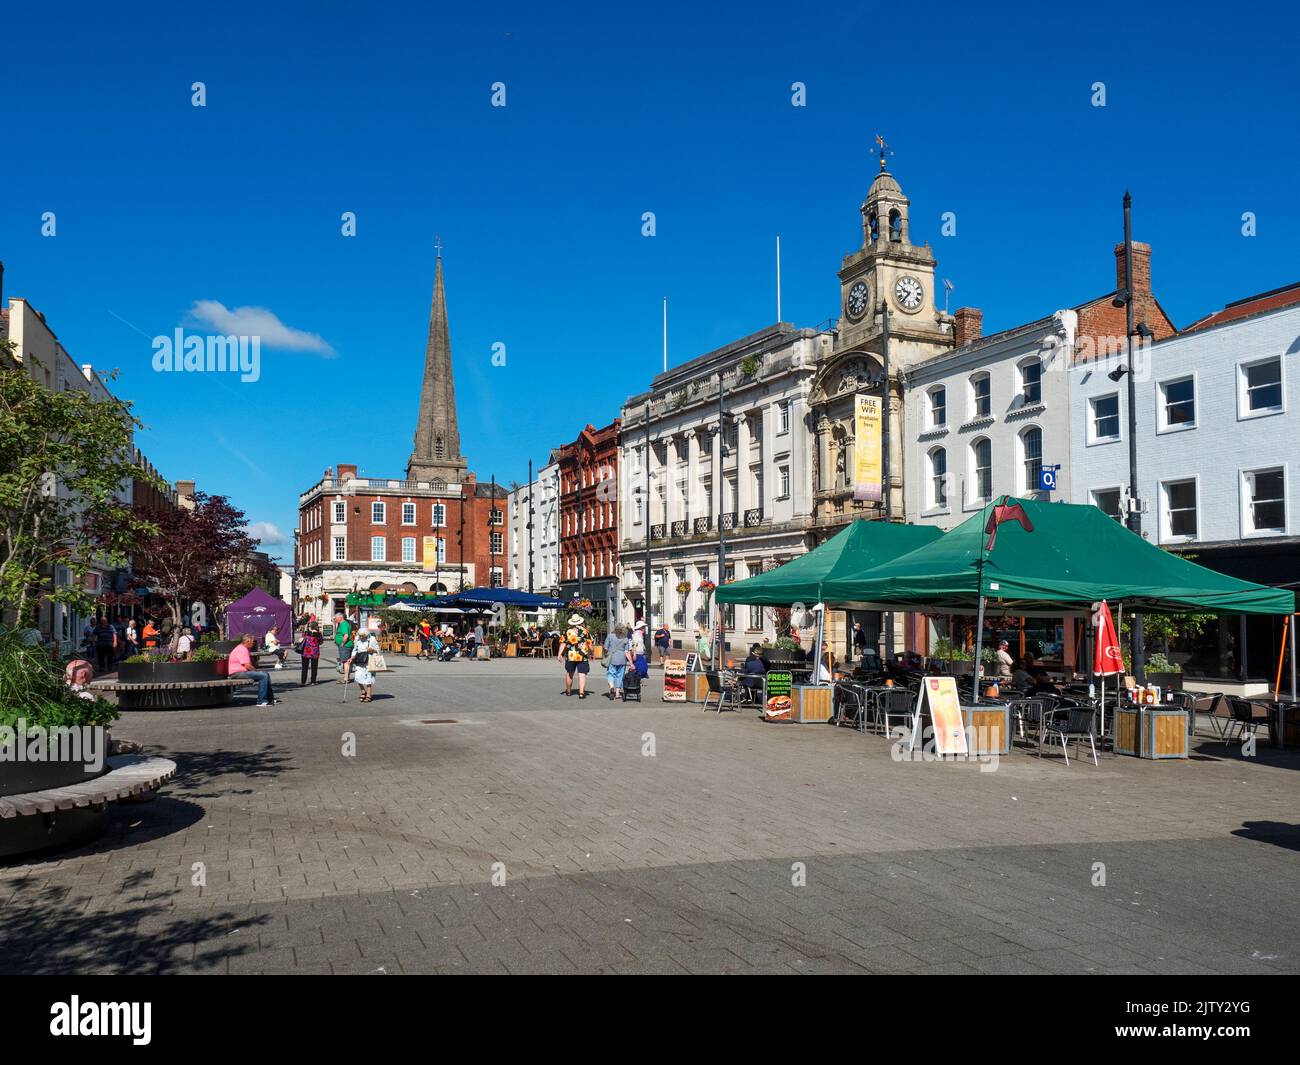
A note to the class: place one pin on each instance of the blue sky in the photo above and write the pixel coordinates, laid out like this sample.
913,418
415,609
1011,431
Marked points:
683,110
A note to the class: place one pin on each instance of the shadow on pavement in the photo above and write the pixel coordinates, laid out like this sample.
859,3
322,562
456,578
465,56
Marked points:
1278,833
46,930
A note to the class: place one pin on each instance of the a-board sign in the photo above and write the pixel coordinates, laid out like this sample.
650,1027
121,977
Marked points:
674,680
939,695
777,707
692,662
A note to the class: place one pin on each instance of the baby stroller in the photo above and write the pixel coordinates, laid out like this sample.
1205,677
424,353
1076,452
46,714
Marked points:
631,686
446,651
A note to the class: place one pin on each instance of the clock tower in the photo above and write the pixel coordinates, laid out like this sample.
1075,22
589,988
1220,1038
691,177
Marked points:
889,268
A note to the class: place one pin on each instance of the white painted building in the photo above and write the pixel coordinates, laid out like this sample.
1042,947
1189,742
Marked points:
679,478
983,419
1218,459
544,496
36,348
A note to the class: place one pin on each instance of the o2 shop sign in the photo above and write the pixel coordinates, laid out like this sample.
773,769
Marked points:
1047,478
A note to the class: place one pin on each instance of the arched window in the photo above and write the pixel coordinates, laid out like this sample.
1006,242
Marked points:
1031,380
438,448
980,390
873,225
1031,459
895,225
981,473
938,478
938,407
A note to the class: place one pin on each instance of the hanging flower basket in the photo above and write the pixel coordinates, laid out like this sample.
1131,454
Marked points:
707,586
580,603
683,587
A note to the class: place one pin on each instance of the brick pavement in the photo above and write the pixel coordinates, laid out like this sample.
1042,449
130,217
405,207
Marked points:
608,859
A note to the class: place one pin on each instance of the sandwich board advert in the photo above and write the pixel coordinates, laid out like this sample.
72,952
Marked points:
675,680
939,695
777,707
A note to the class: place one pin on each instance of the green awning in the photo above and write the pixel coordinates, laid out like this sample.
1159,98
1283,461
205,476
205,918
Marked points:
853,550
1075,556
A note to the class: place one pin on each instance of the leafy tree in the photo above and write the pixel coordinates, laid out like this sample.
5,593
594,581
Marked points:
199,554
65,461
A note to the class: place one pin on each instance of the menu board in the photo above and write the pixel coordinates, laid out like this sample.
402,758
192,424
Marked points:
778,696
692,662
674,680
940,694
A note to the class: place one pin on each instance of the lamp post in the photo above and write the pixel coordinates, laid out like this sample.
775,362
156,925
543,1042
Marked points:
721,657
646,519
886,488
1124,298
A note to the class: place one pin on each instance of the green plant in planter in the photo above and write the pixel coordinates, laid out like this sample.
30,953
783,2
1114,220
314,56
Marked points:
1159,663
786,643
207,654
33,689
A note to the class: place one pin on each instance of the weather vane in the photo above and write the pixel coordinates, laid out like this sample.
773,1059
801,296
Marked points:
437,243
880,141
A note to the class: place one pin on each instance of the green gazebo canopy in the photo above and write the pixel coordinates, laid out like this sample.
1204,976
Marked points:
853,550
1075,556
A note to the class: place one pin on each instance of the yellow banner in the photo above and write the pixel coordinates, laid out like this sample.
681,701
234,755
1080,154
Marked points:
430,552
866,448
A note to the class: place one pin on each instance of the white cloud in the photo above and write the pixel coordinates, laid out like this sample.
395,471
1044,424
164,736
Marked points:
268,532
257,322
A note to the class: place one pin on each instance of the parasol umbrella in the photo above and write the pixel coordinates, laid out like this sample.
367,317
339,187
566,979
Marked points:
1107,659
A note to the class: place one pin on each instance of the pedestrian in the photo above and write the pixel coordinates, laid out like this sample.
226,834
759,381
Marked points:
132,639
639,662
310,652
575,649
702,647
363,649
425,633
344,635
663,640
184,645
271,644
859,640
103,638
1005,661
618,648
241,665
480,638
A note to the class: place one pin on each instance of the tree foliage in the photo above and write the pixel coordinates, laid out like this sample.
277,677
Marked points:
66,460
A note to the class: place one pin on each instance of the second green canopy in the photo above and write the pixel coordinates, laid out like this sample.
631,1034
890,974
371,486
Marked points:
849,553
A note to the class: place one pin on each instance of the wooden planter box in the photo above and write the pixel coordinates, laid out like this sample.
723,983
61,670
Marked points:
988,729
697,687
512,650
412,647
1163,733
811,704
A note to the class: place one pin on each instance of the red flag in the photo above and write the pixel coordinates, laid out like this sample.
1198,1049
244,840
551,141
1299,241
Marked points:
1106,656
1006,512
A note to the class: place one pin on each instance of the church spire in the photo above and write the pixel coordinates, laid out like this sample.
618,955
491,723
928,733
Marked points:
437,438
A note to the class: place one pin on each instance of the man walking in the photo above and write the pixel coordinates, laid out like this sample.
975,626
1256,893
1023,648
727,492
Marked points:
241,665
344,638
104,639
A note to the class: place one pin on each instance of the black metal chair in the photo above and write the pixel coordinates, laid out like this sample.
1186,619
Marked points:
1072,724
724,687
1247,716
1028,717
894,704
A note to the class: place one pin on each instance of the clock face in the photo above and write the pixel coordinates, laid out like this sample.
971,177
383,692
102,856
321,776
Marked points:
856,303
908,292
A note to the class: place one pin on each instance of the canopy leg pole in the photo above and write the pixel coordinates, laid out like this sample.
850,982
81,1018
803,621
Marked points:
1281,655
1291,647
817,653
978,669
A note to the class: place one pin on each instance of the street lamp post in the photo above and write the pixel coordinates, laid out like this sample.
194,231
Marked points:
1124,297
646,518
886,487
721,657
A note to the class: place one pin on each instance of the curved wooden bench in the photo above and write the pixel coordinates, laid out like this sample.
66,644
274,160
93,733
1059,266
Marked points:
38,820
174,695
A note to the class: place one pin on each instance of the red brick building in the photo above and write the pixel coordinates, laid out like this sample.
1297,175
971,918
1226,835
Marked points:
589,517
436,530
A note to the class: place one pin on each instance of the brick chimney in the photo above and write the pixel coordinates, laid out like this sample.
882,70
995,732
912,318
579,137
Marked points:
969,325
1141,268
185,489
346,470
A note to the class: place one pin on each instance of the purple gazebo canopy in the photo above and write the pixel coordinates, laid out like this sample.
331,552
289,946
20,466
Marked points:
256,613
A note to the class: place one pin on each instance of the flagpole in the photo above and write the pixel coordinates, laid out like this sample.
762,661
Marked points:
979,621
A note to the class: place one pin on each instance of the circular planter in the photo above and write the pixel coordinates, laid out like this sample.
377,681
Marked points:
17,778
166,672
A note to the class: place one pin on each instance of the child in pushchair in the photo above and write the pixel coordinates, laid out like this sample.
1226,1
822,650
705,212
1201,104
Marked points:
445,651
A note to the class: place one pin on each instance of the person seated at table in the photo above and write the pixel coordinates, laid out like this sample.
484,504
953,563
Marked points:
1039,682
754,670
825,671
1020,676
